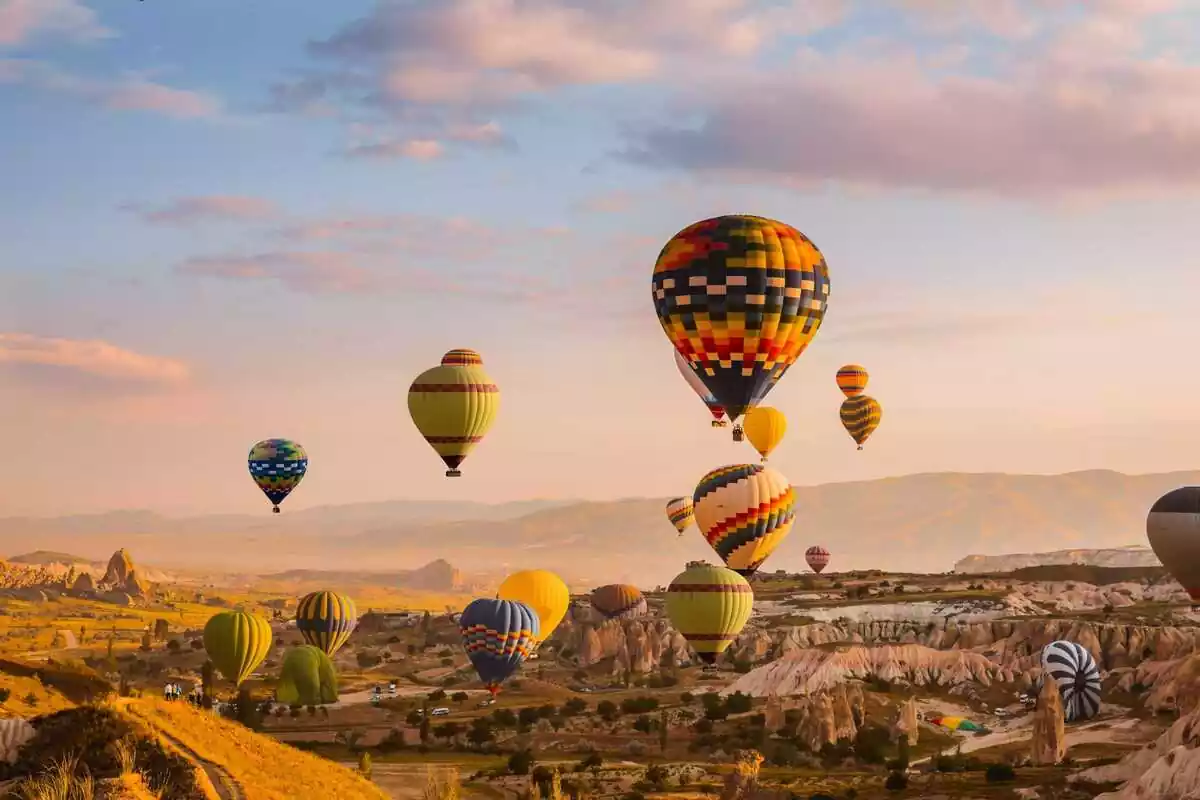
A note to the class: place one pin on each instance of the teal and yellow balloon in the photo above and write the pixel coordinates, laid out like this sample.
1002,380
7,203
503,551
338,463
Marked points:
277,467
326,620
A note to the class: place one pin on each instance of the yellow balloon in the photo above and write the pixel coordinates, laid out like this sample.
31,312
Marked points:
541,590
764,427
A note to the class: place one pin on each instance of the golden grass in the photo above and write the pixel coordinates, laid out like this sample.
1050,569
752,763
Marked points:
265,768
47,700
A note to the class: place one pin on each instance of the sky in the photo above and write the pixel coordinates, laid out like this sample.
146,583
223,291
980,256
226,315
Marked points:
224,221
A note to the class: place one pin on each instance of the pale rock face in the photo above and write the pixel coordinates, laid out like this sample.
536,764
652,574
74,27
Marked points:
1049,742
906,723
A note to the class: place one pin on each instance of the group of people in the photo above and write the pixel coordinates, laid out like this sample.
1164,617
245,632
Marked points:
174,691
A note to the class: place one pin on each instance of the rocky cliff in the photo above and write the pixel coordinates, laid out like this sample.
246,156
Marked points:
1166,769
1131,556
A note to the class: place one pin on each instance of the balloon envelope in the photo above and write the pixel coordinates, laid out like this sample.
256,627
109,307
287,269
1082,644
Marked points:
860,417
740,297
1073,669
744,512
852,379
326,620
709,606
681,513
277,467
498,635
765,428
817,558
454,405
1173,528
541,590
307,678
693,380
619,601
236,643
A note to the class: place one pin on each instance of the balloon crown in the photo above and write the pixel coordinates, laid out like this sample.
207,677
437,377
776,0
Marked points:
461,358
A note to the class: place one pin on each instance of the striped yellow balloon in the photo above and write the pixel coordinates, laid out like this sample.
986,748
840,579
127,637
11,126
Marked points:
454,405
764,427
860,417
544,592
681,513
744,512
236,643
852,379
709,606
326,620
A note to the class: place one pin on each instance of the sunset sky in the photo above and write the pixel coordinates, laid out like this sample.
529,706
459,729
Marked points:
222,221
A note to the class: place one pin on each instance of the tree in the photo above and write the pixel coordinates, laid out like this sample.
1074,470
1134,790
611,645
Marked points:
662,730
738,703
520,762
643,724
527,716
437,695
161,629
425,723
448,730
574,707
206,677
364,764
607,710
504,718
459,697
480,732
146,641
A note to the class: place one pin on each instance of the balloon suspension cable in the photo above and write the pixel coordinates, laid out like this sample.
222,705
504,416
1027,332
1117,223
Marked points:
275,510
453,473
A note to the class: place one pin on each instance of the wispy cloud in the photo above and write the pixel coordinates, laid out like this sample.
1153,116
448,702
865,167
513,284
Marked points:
188,210
94,358
613,202
23,20
315,272
415,149
131,92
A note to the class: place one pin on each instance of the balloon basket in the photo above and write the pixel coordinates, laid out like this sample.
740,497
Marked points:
716,423
275,510
739,435
860,447
453,473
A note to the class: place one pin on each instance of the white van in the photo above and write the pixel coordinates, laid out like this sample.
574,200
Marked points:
439,712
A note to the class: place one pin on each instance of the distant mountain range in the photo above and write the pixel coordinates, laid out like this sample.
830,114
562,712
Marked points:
922,523
1131,556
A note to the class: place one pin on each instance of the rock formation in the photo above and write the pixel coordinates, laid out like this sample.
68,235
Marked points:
1132,556
1049,742
906,724
83,584
121,583
1166,769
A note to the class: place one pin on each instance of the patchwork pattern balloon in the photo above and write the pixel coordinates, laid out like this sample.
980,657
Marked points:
544,592
498,636
765,427
709,606
740,297
277,467
817,558
681,512
1073,669
307,678
861,415
326,620
852,379
619,601
454,405
710,402
1173,528
744,512
236,643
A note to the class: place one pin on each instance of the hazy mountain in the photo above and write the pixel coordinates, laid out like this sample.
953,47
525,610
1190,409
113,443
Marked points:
1131,556
916,522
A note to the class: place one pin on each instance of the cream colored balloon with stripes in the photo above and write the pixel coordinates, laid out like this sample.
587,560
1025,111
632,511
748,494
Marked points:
744,512
454,405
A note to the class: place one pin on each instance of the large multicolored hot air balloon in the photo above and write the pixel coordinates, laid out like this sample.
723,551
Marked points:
744,512
1072,667
544,592
710,402
765,428
277,467
1173,528
618,601
709,606
852,379
454,405
740,297
326,620
681,512
236,643
860,417
498,635
307,678
817,558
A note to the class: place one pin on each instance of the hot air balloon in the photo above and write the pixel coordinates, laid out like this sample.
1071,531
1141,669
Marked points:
860,417
1173,528
714,408
326,620
709,606
817,558
277,466
740,297
14,732
681,513
544,592
765,428
307,678
236,643
619,601
1072,667
498,635
453,405
852,379
744,512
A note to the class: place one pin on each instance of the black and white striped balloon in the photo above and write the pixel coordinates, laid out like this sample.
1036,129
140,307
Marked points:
1074,670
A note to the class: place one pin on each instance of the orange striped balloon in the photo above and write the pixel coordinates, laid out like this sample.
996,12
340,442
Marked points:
852,379
744,512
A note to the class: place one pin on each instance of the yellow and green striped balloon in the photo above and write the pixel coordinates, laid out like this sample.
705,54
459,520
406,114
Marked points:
860,417
454,405
236,643
709,606
326,620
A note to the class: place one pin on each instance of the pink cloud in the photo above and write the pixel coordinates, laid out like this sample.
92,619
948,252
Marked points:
94,358
415,149
186,210
310,272
21,20
128,93
613,202
455,239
